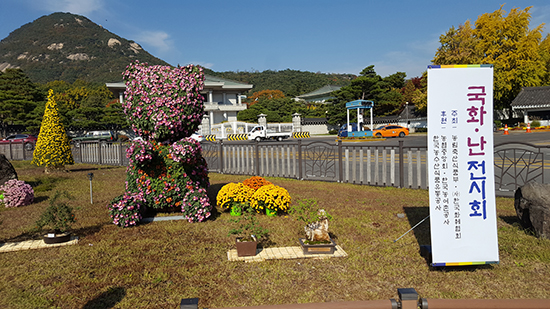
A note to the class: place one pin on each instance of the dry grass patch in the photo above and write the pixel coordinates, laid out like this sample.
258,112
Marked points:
156,265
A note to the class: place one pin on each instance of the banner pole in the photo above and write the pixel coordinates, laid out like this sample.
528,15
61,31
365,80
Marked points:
412,228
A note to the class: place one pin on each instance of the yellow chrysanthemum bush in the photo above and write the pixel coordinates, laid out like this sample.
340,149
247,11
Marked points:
233,194
272,197
52,147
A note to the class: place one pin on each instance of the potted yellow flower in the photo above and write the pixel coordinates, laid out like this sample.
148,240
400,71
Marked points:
271,199
234,196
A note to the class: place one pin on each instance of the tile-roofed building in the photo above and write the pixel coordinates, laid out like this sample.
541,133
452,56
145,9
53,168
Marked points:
534,102
320,95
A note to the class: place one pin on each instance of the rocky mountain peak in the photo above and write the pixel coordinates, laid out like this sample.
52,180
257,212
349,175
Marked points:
65,46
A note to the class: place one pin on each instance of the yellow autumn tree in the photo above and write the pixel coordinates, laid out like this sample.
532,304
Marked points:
504,40
52,147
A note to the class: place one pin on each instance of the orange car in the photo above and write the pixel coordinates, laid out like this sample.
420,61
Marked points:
391,131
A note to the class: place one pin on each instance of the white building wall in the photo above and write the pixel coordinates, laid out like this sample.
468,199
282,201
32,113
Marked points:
232,98
218,117
318,128
231,116
217,97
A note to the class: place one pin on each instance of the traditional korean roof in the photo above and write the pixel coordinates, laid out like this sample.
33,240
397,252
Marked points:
209,79
309,121
532,98
320,92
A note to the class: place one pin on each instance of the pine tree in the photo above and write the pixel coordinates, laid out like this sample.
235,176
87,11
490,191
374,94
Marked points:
18,98
52,148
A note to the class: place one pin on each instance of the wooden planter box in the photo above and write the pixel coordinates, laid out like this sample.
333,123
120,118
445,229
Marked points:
246,248
318,249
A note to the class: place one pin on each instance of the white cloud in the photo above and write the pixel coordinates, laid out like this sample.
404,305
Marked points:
158,40
81,7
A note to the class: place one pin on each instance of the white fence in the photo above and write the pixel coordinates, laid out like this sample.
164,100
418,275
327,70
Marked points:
222,130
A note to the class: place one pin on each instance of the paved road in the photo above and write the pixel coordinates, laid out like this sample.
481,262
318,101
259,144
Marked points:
420,139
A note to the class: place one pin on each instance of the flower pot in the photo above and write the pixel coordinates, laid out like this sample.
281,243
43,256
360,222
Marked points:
53,238
270,212
318,248
246,248
236,211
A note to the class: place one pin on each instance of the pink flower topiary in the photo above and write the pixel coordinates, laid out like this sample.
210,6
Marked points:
166,169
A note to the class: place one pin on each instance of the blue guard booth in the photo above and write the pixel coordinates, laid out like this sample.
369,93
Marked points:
360,106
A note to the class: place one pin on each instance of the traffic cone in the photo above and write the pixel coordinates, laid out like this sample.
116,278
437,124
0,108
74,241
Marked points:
528,128
505,130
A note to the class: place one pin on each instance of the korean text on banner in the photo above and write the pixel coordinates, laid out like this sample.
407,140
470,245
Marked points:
460,152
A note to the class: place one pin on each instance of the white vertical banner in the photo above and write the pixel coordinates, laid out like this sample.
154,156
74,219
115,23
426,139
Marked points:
463,219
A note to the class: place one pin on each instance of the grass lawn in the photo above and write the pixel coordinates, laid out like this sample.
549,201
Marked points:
156,265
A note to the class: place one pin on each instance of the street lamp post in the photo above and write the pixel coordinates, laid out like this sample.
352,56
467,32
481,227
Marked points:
90,176
407,112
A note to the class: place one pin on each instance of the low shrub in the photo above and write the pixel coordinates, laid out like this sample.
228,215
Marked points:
308,211
16,193
535,124
58,216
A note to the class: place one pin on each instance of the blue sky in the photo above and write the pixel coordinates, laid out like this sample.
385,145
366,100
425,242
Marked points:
308,35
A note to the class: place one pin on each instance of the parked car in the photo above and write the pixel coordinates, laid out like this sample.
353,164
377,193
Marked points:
28,140
102,136
391,131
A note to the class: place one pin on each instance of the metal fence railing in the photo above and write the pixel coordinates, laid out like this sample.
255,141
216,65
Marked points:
17,150
396,166
380,166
